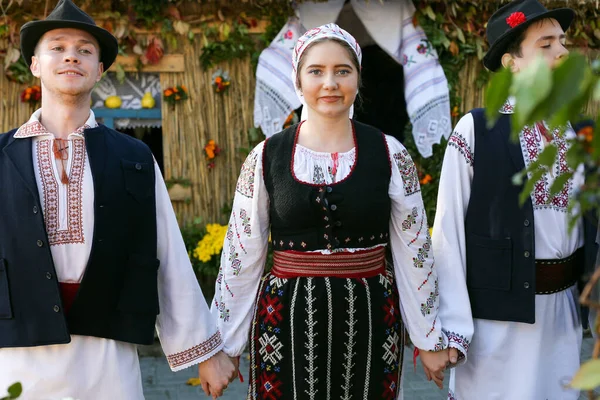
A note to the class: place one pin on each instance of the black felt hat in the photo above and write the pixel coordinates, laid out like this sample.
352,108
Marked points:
511,20
68,15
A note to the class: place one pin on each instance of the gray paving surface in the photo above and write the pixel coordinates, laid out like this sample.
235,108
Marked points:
161,384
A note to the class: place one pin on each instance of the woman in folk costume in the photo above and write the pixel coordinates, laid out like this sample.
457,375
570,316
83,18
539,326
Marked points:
327,321
517,266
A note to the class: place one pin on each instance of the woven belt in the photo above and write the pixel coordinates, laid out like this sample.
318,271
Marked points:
68,291
557,275
360,264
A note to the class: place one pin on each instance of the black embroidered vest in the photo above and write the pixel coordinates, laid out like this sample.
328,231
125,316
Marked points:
351,213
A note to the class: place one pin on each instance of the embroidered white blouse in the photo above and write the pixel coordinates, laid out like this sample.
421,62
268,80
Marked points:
91,367
246,245
551,221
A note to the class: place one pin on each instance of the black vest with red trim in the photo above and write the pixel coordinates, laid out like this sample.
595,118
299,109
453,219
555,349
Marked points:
118,295
352,213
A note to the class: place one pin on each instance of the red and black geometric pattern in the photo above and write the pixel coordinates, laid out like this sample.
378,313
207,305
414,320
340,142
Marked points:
532,146
299,344
459,142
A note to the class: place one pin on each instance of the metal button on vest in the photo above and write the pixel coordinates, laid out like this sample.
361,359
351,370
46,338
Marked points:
526,285
526,222
329,189
40,243
526,254
338,223
138,166
56,308
35,209
333,207
48,275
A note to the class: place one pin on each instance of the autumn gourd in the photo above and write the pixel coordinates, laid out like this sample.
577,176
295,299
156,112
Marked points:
112,102
148,100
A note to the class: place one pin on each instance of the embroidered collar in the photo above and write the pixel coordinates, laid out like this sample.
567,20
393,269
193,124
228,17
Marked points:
34,127
508,107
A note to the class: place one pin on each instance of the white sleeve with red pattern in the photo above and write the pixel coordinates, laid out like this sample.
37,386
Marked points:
244,255
187,331
414,267
449,235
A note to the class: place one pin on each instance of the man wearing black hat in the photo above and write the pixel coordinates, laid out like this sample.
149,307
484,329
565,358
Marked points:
511,270
90,250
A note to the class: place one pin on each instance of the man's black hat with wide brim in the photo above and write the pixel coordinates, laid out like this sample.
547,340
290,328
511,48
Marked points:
511,20
68,15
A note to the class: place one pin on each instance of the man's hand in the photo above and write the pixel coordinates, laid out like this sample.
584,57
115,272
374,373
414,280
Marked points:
216,373
452,356
434,364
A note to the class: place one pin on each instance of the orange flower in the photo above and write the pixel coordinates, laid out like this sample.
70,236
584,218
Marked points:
455,111
183,88
289,119
177,97
27,96
586,133
28,90
426,179
175,90
168,92
36,87
211,149
218,79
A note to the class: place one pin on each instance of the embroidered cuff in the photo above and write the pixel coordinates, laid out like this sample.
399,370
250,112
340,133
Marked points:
196,354
460,343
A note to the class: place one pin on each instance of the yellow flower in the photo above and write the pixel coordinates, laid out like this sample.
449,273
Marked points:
212,242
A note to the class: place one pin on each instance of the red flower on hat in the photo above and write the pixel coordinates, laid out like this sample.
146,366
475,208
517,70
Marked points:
516,18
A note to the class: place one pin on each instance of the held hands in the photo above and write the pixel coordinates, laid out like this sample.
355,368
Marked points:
435,362
216,373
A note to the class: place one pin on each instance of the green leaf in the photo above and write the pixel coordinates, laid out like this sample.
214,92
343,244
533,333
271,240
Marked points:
530,87
588,376
15,390
429,13
526,192
559,183
496,94
226,30
570,83
574,156
548,156
120,73
517,179
460,34
479,49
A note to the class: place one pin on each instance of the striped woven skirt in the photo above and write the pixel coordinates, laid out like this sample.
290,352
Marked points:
326,327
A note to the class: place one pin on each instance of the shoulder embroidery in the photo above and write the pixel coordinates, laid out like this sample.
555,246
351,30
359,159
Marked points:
408,171
459,142
245,184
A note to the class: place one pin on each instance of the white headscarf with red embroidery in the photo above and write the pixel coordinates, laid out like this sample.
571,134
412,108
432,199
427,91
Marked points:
327,31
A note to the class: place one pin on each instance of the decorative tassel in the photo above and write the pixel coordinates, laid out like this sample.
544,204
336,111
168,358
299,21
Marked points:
240,376
61,153
63,177
415,355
